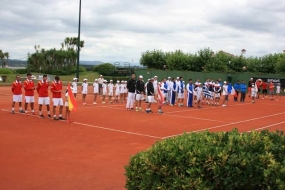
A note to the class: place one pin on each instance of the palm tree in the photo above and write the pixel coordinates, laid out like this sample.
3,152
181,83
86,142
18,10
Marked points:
2,57
6,56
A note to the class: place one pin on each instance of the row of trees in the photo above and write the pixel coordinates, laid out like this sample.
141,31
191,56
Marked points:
4,56
207,60
55,60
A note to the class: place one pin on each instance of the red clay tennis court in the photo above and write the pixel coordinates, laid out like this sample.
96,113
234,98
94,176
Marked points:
91,152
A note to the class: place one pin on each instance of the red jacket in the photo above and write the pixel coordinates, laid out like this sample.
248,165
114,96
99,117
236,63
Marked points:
56,86
42,88
29,87
17,88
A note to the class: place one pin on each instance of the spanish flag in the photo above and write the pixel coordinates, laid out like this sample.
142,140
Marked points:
72,104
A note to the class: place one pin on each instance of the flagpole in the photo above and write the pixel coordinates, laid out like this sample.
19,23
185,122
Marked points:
78,43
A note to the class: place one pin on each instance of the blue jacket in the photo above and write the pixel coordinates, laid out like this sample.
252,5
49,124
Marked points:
237,87
229,88
242,87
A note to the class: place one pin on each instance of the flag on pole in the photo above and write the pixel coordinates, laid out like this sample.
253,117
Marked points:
72,104
160,96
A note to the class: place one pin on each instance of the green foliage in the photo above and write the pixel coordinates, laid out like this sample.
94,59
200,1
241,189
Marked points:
280,65
53,60
21,71
206,60
6,71
153,59
205,160
104,69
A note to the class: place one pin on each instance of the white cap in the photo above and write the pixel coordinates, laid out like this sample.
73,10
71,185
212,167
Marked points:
96,79
152,79
148,79
126,81
251,78
177,78
101,75
105,81
225,82
155,77
118,81
111,80
85,79
169,77
140,76
74,78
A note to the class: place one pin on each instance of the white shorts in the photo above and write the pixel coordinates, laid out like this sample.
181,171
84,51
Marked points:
117,93
84,92
165,94
110,93
253,94
104,93
57,101
150,99
29,99
139,97
180,95
96,91
43,100
217,95
66,104
74,92
199,97
17,98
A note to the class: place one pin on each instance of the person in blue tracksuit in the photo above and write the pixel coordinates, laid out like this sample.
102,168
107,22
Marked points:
237,89
190,89
243,88
173,89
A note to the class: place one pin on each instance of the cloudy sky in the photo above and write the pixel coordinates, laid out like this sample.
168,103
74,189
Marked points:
120,30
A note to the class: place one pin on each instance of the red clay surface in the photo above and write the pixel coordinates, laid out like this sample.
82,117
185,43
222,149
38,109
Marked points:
91,152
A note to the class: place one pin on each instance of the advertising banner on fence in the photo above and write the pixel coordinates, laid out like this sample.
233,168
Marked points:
274,80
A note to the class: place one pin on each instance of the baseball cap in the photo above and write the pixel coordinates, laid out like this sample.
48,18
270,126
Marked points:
152,79
85,79
225,82
96,79
75,78
155,77
140,76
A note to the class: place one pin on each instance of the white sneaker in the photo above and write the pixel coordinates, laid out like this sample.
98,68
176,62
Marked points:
94,103
224,105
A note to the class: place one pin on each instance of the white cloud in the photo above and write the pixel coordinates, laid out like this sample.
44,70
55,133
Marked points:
120,30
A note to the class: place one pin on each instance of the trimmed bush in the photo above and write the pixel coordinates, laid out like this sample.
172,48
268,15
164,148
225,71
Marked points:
205,160
104,69
21,71
6,71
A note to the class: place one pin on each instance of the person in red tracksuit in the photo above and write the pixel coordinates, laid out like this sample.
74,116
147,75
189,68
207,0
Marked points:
42,90
56,89
29,88
17,94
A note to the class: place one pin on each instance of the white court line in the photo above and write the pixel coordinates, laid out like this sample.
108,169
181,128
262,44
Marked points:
116,130
219,126
94,126
191,109
268,126
167,114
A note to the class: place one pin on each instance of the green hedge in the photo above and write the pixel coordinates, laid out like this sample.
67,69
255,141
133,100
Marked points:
6,71
224,160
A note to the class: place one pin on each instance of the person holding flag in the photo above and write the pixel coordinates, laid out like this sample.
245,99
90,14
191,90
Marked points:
190,88
70,103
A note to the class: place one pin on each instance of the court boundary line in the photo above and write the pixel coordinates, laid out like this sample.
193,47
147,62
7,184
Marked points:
207,108
228,124
268,126
94,126
167,114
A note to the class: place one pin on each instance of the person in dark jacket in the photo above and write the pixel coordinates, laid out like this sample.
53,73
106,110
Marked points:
150,95
139,93
131,86
242,91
